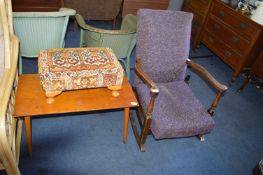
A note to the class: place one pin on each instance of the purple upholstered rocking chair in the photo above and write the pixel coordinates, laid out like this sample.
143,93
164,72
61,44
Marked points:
168,107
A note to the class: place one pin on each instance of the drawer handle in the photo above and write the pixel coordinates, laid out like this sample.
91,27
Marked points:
211,39
235,39
221,13
228,54
242,25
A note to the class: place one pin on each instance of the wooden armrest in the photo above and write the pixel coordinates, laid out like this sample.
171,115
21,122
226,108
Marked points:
154,91
206,75
144,77
214,83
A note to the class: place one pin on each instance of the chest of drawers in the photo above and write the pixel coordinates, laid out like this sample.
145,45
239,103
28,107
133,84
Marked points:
199,8
235,38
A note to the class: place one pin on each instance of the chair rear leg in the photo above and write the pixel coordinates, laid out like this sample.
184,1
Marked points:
201,137
140,138
145,132
134,128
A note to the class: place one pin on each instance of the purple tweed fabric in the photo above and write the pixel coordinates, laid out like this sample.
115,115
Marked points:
177,112
163,43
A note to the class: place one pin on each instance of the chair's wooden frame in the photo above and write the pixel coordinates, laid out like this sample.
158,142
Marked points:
145,116
10,128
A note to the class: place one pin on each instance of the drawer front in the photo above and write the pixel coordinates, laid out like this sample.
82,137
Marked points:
222,32
237,22
198,6
233,59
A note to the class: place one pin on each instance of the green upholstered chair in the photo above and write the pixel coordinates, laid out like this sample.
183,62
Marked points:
40,30
120,41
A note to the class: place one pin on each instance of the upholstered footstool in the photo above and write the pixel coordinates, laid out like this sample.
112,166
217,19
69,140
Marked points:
78,68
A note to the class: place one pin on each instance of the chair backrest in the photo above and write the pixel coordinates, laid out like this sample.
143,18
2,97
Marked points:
121,41
163,43
41,30
129,23
9,145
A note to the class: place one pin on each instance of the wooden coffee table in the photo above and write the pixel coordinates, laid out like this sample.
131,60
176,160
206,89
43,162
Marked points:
31,102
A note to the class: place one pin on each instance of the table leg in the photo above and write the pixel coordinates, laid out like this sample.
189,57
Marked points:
126,123
28,134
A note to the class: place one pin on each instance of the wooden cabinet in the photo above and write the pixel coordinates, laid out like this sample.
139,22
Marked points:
131,6
199,8
235,38
36,5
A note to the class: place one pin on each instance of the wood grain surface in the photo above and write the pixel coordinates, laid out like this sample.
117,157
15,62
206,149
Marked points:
31,99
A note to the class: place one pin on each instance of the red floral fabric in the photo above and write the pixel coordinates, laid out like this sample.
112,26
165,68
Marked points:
78,68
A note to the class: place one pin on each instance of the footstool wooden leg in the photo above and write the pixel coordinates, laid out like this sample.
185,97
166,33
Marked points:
28,134
126,123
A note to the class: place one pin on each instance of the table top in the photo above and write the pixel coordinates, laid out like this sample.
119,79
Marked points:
31,100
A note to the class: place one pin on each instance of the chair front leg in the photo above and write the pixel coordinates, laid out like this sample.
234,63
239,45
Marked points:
215,103
147,122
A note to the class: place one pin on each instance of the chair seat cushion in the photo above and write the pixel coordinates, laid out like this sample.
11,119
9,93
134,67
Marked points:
177,112
78,68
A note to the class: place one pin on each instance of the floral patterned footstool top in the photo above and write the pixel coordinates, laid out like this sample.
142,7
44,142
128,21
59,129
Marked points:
78,68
